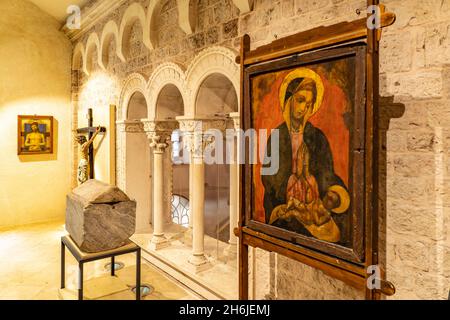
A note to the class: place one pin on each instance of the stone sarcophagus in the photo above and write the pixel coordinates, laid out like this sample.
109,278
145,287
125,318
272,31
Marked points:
99,216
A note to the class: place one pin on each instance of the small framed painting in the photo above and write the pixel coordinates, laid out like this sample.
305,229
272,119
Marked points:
35,135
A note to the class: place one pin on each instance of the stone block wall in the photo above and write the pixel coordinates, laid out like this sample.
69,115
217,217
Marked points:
415,96
415,64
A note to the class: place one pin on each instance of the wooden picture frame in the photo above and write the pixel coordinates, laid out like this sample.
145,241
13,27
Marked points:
35,135
321,45
355,215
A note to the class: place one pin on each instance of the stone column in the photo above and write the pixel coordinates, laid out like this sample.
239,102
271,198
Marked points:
123,128
188,233
121,146
191,191
231,251
198,259
159,134
187,126
200,139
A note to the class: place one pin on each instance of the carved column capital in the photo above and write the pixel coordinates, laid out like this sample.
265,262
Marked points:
199,142
159,143
202,124
159,133
198,133
236,119
130,126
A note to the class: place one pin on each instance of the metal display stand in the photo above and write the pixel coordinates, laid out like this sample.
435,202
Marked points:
82,258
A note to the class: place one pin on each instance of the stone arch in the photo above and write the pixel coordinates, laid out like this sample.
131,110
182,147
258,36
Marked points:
169,103
78,57
137,107
166,74
214,82
153,9
216,96
92,44
219,60
134,13
187,15
110,33
134,83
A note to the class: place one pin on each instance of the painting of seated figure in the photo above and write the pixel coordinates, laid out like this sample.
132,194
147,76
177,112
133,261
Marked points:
314,108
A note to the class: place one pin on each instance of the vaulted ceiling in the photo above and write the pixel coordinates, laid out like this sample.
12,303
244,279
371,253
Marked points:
57,8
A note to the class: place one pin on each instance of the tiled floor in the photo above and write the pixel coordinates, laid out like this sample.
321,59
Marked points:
30,269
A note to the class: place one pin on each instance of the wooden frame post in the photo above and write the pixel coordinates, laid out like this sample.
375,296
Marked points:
91,147
243,247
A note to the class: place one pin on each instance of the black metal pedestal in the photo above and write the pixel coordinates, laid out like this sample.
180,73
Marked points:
82,258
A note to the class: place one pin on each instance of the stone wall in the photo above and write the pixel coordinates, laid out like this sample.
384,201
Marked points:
415,95
415,65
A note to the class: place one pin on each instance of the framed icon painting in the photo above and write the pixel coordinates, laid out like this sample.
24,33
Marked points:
309,114
35,135
310,183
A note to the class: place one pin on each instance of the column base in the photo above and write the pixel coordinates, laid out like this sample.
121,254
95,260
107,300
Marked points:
199,263
158,243
187,237
231,250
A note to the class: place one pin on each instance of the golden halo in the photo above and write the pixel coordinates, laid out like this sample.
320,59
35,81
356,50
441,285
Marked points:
344,197
303,73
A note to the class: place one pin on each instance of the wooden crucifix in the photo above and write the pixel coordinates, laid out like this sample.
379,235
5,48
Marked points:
86,165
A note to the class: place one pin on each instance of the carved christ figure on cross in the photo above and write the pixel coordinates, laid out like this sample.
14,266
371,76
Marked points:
83,165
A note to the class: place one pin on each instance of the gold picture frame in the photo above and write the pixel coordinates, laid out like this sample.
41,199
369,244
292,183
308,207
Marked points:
35,135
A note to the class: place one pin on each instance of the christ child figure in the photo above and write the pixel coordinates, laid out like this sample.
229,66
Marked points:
303,192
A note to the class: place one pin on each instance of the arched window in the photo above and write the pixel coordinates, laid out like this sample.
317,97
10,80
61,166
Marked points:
180,210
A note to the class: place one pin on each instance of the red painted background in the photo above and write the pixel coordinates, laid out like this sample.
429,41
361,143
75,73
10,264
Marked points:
267,114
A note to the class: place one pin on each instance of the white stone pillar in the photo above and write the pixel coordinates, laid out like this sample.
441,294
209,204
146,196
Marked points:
199,140
234,205
158,239
188,233
187,126
198,259
121,144
234,187
191,191
159,134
